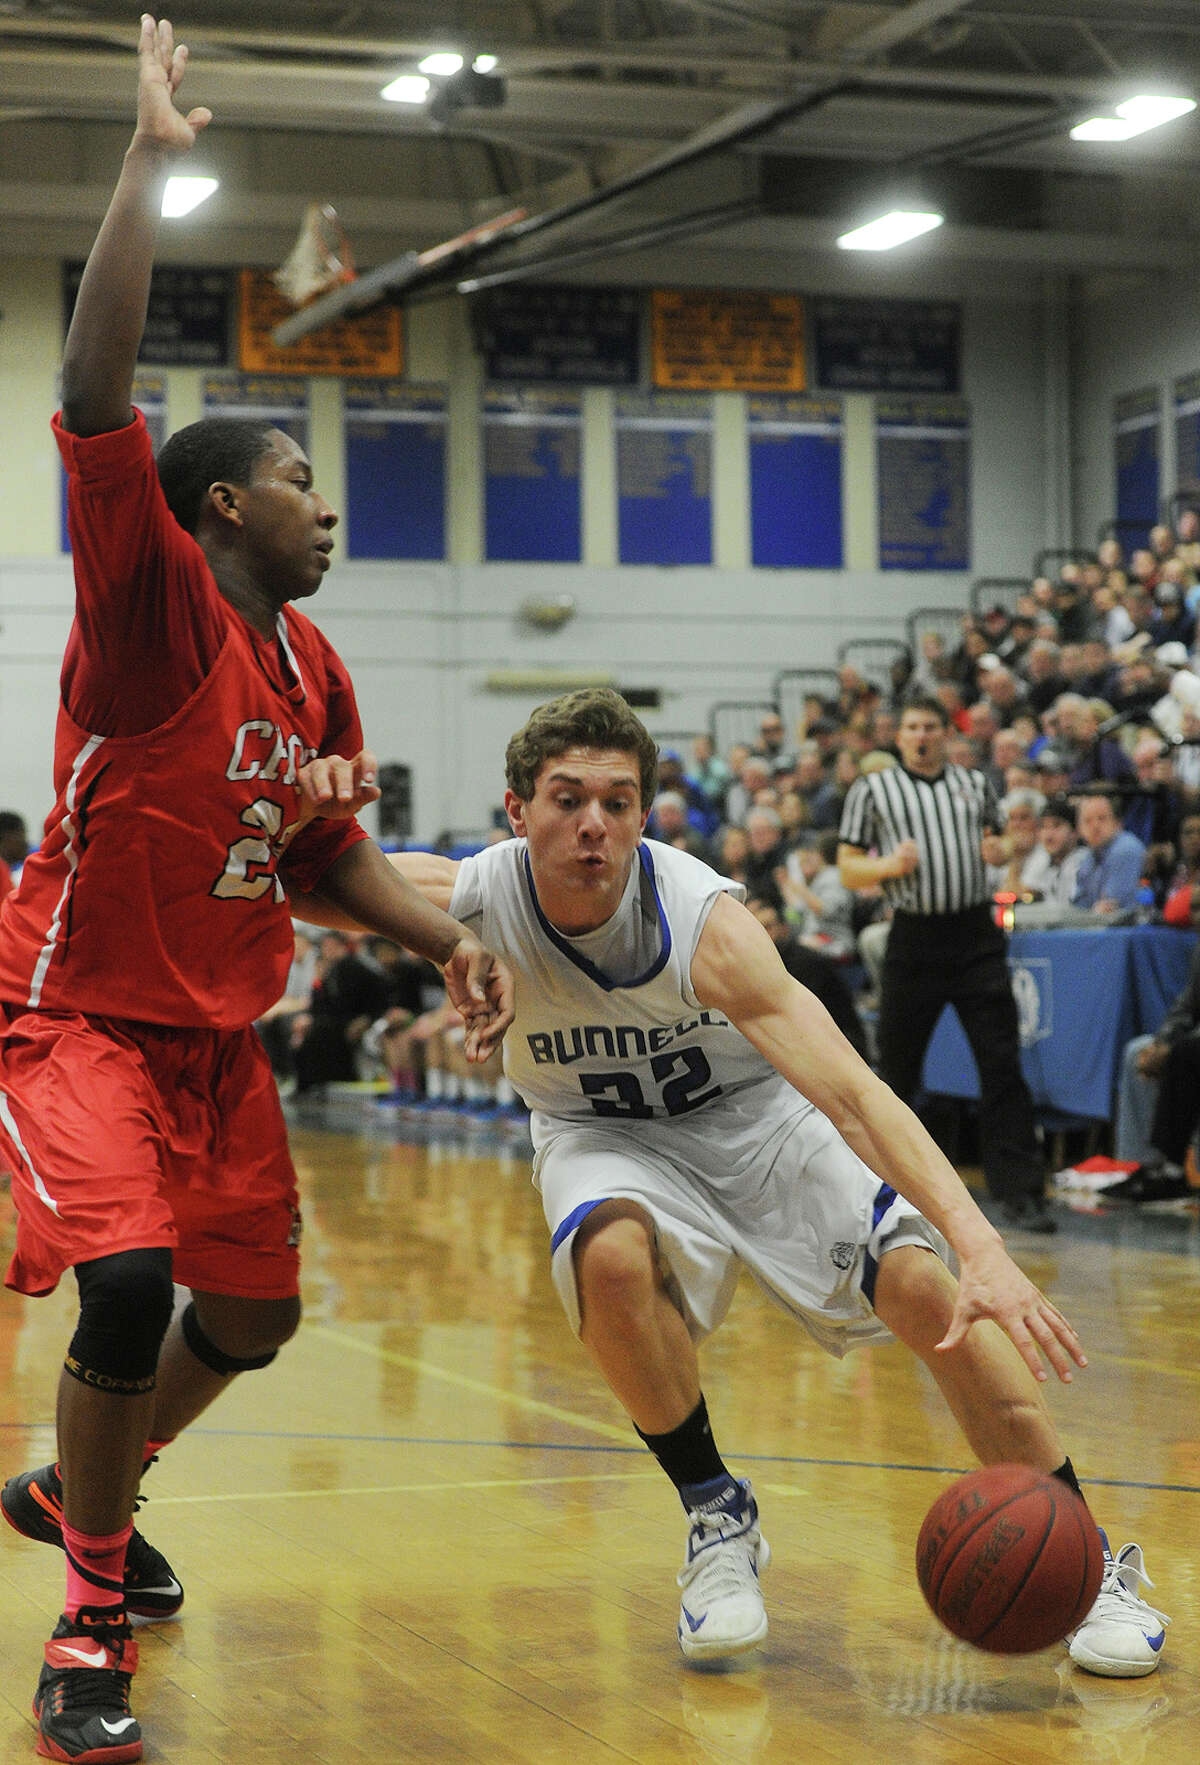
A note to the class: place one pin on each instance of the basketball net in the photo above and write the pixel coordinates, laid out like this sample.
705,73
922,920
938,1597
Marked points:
320,259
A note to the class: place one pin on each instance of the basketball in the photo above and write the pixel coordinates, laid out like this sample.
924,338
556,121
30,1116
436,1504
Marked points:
1009,1559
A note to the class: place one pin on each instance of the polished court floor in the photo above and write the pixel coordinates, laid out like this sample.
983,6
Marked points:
428,1534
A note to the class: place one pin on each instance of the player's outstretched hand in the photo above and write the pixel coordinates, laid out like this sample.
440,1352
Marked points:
161,67
336,788
990,1285
481,989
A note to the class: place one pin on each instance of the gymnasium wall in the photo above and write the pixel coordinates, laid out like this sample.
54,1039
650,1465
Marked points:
420,638
1139,332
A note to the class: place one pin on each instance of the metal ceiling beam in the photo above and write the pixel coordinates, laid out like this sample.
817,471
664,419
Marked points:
908,22
408,271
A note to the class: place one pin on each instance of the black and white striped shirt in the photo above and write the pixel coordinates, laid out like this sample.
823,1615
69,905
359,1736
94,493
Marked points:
947,817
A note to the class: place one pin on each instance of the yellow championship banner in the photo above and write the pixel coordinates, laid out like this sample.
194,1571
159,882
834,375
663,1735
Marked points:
727,341
372,344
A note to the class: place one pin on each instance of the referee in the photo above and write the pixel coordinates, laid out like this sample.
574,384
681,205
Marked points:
934,828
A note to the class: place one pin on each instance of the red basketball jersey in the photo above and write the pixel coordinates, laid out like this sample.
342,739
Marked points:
155,892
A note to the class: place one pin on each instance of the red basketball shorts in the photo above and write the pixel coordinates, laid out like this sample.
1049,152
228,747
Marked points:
125,1136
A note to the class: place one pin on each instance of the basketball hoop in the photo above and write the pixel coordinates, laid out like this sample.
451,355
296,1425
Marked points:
321,258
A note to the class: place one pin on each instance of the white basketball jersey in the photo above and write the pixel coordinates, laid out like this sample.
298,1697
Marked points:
630,1043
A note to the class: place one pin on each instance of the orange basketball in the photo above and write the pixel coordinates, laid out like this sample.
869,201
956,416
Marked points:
1009,1559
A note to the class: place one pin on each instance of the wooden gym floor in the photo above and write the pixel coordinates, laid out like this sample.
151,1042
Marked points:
427,1533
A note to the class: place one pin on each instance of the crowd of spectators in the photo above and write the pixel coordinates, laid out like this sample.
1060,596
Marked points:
1080,704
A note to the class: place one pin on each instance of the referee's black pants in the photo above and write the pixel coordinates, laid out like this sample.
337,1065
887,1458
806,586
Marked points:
958,959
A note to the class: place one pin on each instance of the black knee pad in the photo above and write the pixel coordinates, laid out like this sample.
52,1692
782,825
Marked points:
125,1306
206,1350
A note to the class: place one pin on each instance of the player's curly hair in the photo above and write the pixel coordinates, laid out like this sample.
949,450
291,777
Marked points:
593,717
205,453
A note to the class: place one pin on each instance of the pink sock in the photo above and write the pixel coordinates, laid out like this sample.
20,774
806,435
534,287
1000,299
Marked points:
95,1569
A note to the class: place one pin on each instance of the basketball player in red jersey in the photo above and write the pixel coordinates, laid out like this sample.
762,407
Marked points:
137,1110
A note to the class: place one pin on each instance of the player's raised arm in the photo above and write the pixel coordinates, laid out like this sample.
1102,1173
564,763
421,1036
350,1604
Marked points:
110,311
737,969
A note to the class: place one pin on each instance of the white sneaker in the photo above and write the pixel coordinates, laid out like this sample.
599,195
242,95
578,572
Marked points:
1122,1636
721,1613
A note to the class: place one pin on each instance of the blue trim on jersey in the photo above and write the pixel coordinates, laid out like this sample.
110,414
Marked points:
883,1200
575,1218
581,962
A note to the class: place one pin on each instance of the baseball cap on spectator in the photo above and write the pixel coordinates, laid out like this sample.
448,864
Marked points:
1171,655
783,763
988,661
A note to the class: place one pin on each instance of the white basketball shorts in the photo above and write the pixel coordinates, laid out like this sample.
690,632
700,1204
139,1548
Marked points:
761,1180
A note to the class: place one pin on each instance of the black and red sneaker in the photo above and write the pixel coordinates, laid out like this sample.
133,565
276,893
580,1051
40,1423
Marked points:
32,1505
82,1697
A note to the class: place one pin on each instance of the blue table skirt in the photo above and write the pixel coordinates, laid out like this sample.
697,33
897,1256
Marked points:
1081,995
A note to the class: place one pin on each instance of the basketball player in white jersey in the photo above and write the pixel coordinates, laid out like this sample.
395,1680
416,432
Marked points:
694,1110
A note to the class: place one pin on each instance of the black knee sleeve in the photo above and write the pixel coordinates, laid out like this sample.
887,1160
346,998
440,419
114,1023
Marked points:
206,1350
125,1306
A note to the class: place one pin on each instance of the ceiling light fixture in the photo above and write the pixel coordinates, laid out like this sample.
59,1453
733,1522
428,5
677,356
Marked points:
407,89
1135,116
181,195
485,64
889,230
442,62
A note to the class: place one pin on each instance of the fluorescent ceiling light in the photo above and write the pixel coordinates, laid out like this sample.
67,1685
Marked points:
407,89
443,62
1105,128
1134,117
1149,113
889,230
181,195
484,64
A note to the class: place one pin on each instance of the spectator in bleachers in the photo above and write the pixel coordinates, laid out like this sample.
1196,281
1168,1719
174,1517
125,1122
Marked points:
900,676
827,808
812,970
767,853
709,774
672,822
982,725
1052,868
1050,770
948,693
14,849
1044,674
671,777
1071,608
1020,812
1162,542
755,776
1004,691
276,1027
817,904
733,849
884,724
1172,621
1187,548
1016,645
1153,813
1007,751
1158,1099
357,988
772,739
1091,757
1110,871
809,777
965,659
1177,907
933,662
